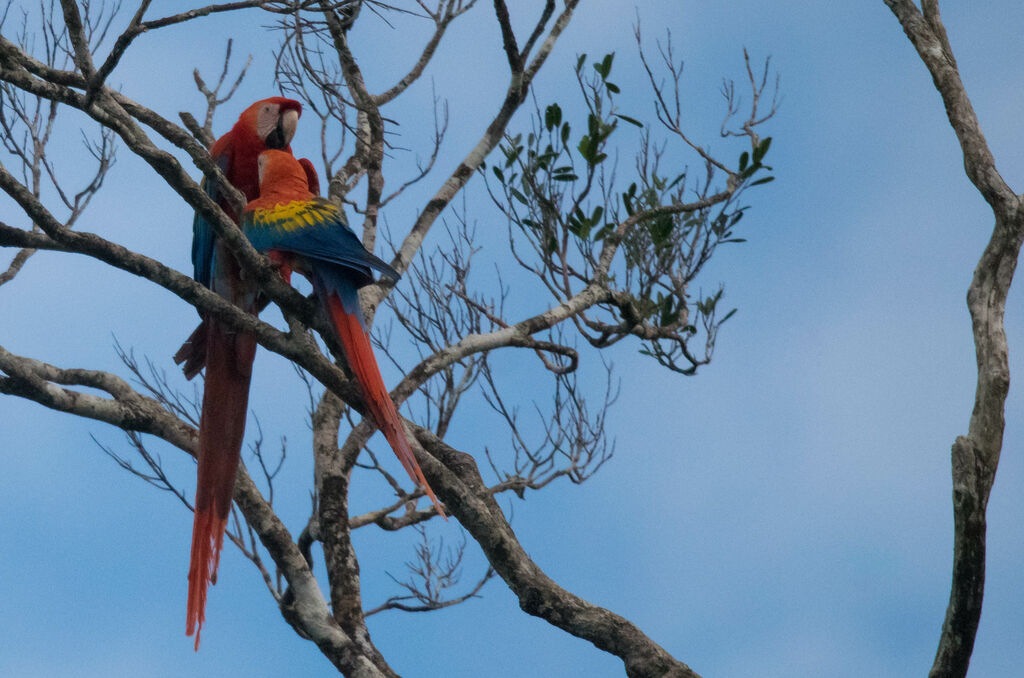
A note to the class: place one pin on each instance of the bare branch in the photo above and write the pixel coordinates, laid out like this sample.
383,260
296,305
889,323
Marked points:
435,570
446,12
929,38
120,47
16,264
155,476
975,457
508,38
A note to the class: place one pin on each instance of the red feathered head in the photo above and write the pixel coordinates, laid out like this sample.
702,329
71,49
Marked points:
272,121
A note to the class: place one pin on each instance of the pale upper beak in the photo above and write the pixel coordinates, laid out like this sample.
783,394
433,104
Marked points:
289,122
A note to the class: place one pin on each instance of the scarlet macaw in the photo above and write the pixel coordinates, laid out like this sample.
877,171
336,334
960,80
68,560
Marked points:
310,235
226,354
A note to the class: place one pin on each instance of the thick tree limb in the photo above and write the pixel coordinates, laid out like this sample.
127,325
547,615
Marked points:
932,45
459,485
333,474
975,457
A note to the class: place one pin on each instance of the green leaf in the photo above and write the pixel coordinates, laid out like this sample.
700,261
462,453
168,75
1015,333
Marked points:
718,226
586,149
676,181
744,158
579,228
565,133
564,177
761,149
552,117
612,87
666,311
512,152
551,245
518,196
580,61
660,229
627,199
498,173
631,121
764,180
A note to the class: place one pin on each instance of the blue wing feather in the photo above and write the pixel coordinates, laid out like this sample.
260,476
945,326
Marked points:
202,232
314,229
332,279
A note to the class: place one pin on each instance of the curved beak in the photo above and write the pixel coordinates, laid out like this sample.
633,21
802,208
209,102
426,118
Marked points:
282,134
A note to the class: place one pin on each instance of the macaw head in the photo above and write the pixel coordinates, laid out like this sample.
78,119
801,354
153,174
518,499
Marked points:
272,120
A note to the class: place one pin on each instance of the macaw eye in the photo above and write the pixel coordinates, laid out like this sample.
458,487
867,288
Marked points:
266,120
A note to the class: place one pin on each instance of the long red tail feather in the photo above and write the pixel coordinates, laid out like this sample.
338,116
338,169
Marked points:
359,353
192,354
229,357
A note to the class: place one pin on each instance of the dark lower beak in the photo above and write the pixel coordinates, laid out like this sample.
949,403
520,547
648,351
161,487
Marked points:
276,139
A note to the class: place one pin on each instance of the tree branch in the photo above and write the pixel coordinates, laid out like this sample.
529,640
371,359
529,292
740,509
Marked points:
929,39
447,12
459,485
975,457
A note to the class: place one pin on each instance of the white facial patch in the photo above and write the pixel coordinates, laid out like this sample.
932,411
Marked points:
266,119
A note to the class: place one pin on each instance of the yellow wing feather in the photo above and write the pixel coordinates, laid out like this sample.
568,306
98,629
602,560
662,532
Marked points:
296,215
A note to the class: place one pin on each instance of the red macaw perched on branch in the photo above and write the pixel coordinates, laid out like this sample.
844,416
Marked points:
226,354
310,235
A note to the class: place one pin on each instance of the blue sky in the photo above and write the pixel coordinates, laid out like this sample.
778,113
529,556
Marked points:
785,513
